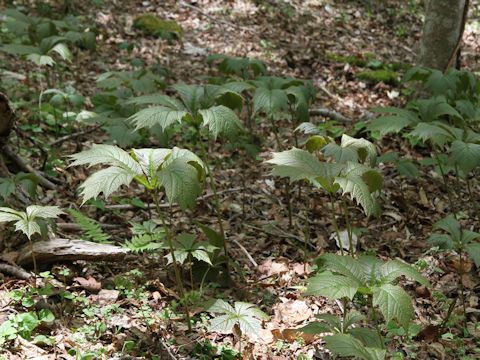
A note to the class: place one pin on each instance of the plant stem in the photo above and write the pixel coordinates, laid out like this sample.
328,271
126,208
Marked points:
34,260
375,320
461,288
216,200
349,227
445,183
176,269
335,224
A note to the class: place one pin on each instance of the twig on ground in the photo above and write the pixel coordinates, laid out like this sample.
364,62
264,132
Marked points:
332,114
23,165
247,254
74,135
16,271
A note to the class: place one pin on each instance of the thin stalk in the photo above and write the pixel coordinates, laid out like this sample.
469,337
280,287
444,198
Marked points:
216,200
190,268
34,260
176,269
334,221
307,240
375,320
471,197
461,288
349,227
445,183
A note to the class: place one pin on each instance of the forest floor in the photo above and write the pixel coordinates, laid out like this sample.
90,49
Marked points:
133,302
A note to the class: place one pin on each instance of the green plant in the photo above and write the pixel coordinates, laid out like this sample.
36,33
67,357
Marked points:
151,24
244,317
199,106
29,221
146,237
90,228
460,240
24,325
177,172
243,67
343,277
351,173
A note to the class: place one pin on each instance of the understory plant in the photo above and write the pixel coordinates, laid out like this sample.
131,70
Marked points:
207,107
29,222
344,278
176,172
344,169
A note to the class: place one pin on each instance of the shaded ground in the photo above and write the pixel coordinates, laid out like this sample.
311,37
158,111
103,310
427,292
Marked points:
294,38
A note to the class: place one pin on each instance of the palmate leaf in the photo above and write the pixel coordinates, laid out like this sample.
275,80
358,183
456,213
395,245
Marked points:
394,303
270,101
340,154
178,171
450,225
157,99
474,251
443,241
221,119
245,315
298,164
394,120
7,214
332,286
465,155
432,109
347,345
366,150
351,182
431,132
157,115
393,269
344,265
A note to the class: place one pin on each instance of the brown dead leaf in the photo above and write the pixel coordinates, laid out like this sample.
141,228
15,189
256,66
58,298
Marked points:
469,282
108,296
270,267
292,335
301,269
291,311
89,284
429,333
422,292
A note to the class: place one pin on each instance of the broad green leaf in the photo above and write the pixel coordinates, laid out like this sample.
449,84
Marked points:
308,128
406,167
44,212
451,226
62,50
28,227
270,101
223,323
105,181
249,325
443,241
181,182
316,142
221,119
298,164
191,95
220,306
157,115
368,337
431,132
7,214
108,155
465,155
474,251
247,309
316,327
367,151
394,303
344,265
17,49
389,124
150,160
157,99
393,269
41,60
433,108
352,184
332,286
373,180
347,345
340,154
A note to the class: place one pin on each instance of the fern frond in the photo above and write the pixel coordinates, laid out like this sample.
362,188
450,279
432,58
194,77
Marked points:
145,242
90,228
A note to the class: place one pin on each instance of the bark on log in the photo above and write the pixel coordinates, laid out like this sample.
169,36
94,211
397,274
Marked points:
69,250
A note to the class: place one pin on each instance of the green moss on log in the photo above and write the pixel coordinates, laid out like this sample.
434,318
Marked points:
376,76
151,24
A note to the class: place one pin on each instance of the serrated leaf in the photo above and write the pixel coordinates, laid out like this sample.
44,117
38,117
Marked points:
340,154
221,119
316,142
308,128
316,327
180,180
347,345
298,164
353,184
8,214
407,168
108,155
474,251
344,265
28,227
220,306
389,124
45,212
368,337
443,241
393,269
332,286
366,150
105,181
223,323
451,226
157,115
270,101
465,155
394,303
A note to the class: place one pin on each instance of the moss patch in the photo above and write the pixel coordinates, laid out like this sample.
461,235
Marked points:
376,76
151,24
352,60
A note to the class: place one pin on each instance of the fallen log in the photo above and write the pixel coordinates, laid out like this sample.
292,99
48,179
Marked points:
57,250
